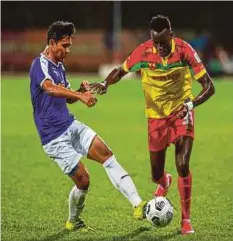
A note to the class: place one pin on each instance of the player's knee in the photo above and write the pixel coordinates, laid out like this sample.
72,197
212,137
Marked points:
99,150
83,181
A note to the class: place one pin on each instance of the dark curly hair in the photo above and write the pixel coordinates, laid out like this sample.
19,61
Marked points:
60,29
159,22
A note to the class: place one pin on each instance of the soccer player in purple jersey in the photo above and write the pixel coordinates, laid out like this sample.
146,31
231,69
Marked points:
65,139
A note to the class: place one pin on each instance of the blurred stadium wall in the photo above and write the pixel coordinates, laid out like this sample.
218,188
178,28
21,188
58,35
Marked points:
107,32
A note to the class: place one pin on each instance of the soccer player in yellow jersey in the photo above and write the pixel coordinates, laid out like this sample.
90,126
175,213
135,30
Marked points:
168,65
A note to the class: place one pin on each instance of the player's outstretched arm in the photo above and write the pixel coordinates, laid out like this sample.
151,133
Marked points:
132,61
55,90
114,77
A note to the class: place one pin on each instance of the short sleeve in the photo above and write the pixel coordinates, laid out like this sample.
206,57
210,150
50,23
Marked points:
194,62
133,63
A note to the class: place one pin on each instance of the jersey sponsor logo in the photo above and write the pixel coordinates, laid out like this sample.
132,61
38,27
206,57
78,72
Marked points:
174,77
57,74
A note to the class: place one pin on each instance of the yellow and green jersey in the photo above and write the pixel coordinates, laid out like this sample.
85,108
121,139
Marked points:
166,81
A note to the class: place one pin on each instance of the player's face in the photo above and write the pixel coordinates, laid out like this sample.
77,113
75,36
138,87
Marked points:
61,48
162,41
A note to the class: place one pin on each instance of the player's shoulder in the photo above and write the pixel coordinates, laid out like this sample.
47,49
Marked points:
36,60
35,63
148,43
145,45
182,46
39,63
182,43
39,60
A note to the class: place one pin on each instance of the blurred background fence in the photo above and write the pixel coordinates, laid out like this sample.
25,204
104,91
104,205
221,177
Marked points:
108,31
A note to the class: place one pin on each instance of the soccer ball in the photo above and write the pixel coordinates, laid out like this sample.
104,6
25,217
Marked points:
159,211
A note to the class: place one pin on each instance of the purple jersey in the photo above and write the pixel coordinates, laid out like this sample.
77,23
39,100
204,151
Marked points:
51,114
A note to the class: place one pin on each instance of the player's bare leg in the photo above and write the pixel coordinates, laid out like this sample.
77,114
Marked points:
99,152
77,195
183,152
159,176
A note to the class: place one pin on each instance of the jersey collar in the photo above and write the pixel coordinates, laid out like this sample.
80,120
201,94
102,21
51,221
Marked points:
57,65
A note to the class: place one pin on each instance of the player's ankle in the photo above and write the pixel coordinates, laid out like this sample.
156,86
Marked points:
71,219
185,220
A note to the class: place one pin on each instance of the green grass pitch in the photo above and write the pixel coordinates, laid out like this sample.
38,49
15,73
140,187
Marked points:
34,190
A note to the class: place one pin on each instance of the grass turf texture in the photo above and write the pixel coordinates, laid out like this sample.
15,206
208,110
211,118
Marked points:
34,190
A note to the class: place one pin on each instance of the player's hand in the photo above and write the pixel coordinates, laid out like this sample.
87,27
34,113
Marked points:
99,88
187,106
182,112
88,99
84,87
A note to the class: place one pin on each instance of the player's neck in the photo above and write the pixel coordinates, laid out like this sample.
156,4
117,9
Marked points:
48,54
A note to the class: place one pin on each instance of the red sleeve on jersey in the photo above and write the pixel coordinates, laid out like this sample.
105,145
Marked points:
133,62
192,59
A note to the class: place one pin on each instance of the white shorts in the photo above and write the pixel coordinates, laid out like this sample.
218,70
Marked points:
71,146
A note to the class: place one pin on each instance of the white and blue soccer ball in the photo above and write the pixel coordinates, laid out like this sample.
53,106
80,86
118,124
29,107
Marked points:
159,211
